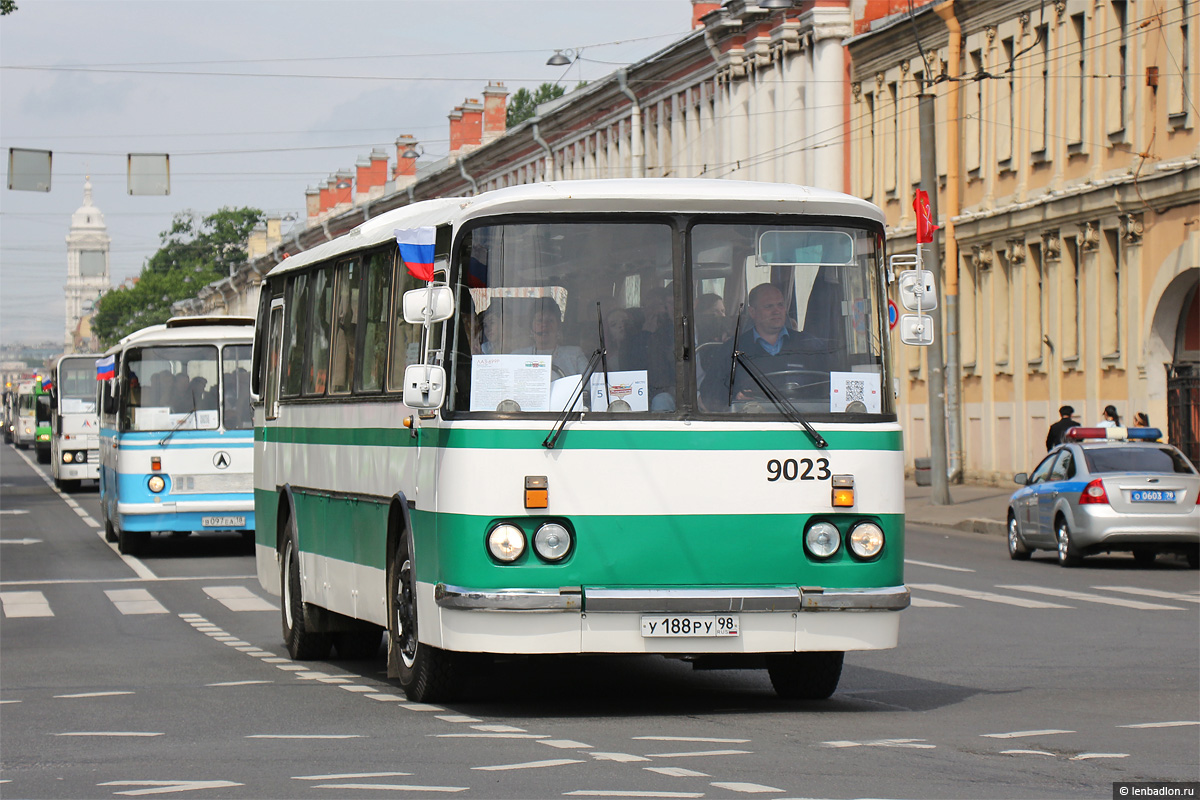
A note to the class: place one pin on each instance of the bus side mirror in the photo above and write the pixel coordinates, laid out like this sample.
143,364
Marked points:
424,384
433,304
916,329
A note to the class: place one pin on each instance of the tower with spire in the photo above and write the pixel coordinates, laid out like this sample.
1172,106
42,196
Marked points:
87,262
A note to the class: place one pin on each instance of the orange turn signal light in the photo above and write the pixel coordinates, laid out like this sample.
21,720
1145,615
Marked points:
155,463
843,491
537,491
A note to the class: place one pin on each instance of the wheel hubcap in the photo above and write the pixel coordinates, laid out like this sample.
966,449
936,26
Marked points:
406,620
287,585
1063,543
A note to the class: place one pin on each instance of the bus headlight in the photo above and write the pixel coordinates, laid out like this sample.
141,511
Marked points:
552,541
156,483
68,458
506,543
822,539
866,540
81,457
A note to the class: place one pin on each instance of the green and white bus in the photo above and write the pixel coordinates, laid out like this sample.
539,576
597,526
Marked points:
627,416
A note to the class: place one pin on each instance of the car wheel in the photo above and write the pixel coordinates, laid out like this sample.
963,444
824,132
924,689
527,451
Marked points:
130,543
1017,550
1068,554
110,532
805,676
1144,556
426,673
302,644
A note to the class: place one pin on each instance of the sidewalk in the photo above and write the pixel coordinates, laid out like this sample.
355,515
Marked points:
974,507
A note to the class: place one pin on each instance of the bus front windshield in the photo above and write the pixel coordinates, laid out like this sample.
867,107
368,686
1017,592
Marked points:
793,312
171,388
235,366
77,386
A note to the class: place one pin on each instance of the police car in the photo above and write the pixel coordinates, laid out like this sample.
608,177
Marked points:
1105,490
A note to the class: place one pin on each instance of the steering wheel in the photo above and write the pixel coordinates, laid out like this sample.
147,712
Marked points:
796,383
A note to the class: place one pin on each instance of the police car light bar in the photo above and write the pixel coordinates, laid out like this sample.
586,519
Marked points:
1121,434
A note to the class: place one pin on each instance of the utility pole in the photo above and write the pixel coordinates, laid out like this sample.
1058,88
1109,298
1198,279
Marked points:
936,365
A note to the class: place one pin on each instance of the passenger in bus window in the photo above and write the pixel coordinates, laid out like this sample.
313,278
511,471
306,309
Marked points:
546,329
655,346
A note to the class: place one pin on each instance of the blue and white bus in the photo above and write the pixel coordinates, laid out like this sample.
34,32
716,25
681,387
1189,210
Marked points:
74,423
176,431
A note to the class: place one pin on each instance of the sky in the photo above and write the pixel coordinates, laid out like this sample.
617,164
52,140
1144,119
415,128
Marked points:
254,100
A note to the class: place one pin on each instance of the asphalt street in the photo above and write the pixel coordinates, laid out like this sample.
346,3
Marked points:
165,675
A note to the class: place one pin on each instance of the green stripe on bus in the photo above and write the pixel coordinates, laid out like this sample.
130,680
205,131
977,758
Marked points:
497,439
613,551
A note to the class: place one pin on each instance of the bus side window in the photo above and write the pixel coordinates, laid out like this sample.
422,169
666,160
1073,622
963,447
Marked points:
377,306
295,328
345,327
316,370
260,338
274,345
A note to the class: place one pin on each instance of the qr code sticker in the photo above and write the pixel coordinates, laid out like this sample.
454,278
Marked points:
856,391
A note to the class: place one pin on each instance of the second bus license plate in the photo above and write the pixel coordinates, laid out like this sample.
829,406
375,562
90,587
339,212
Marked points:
690,625
223,522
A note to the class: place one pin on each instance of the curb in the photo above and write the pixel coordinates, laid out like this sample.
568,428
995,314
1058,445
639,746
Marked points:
990,527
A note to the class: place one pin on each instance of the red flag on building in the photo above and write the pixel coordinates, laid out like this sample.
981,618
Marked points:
925,226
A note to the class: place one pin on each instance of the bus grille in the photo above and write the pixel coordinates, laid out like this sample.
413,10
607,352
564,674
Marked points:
212,484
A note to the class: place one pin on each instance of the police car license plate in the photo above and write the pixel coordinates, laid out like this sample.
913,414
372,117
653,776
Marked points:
223,522
1152,496
690,625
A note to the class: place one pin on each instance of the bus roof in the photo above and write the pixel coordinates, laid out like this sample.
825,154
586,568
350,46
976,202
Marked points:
69,356
647,195
194,322
196,334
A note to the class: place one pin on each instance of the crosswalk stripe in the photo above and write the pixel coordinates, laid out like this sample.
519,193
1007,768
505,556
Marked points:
25,604
925,602
1087,597
1161,595
238,598
988,596
135,601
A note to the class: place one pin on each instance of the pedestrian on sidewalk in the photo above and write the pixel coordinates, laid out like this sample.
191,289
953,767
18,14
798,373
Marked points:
1055,435
1111,418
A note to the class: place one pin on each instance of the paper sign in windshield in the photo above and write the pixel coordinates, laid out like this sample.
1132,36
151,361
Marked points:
855,392
632,386
524,379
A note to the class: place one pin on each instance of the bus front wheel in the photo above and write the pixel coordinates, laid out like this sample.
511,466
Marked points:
426,673
130,543
302,644
805,676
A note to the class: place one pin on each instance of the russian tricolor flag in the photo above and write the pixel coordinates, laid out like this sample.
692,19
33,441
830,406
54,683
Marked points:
416,249
106,368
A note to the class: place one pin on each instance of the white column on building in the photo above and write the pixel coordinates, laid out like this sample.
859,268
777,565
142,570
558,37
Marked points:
829,27
87,262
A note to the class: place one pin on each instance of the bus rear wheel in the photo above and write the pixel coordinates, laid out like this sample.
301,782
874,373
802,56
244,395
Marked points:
426,673
805,676
302,644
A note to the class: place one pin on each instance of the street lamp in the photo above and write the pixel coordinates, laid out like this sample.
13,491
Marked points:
774,4
559,60
413,151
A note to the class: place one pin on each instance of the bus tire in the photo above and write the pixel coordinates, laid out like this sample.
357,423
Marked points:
805,676
43,455
426,673
69,485
302,643
130,543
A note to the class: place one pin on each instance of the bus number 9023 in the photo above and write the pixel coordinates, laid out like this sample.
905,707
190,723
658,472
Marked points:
803,470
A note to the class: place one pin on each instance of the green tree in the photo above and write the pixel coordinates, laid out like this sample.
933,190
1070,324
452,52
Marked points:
524,103
193,254
7,7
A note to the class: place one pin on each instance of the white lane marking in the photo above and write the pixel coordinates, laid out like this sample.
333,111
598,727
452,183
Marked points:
349,775
392,787
565,744
551,762
237,683
239,598
918,744
1087,597
14,511
237,643
623,758
169,787
119,734
924,602
490,736
88,694
1178,724
304,736
385,698
936,566
700,754
1023,734
1161,595
498,729
97,581
71,502
708,739
355,688
1027,753
21,541
333,680
1089,756
291,667
135,601
422,707
6,702
276,660
136,565
25,604
677,772
309,675
745,788
987,596
91,522
603,793
458,718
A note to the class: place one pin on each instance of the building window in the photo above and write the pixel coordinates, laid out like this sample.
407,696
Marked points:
1118,65
1076,63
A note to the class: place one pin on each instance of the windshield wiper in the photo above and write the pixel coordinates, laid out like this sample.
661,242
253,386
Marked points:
163,441
778,398
599,357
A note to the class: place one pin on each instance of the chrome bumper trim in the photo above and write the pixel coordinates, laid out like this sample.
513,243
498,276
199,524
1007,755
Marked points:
709,601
